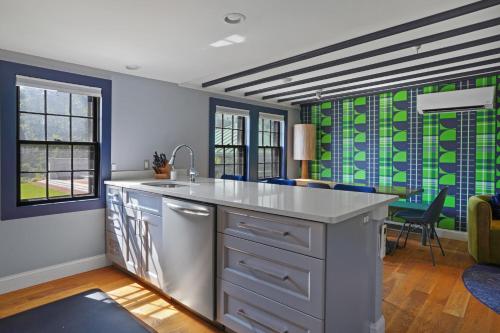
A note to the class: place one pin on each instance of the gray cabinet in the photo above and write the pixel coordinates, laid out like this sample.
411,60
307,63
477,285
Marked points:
271,272
134,233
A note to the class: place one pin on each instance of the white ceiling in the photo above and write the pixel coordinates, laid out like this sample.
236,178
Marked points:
170,39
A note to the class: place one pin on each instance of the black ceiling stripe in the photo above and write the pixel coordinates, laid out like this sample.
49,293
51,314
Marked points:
470,56
377,65
415,24
434,80
400,78
383,50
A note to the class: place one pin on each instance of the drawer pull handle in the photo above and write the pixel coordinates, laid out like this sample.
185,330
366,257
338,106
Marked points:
282,277
243,314
243,225
189,211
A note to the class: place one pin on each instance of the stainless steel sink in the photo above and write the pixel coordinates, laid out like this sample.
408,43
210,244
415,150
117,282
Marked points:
166,184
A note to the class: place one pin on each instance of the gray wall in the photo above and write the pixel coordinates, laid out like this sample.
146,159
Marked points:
148,115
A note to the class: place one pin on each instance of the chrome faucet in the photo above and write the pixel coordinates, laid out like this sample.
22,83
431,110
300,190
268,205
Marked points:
191,172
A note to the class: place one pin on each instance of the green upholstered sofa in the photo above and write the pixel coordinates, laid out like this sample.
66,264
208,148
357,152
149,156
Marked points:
483,231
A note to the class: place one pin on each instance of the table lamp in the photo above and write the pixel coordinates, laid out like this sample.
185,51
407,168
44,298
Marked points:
304,146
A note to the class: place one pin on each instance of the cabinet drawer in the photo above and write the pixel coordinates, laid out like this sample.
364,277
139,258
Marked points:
296,235
143,201
292,279
246,312
114,194
115,248
115,223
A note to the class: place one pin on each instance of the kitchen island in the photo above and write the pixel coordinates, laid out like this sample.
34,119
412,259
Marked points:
287,259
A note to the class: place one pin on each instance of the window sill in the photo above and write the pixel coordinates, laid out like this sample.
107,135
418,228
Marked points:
41,209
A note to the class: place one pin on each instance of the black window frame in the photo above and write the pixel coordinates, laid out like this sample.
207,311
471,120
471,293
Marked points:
241,148
95,143
276,149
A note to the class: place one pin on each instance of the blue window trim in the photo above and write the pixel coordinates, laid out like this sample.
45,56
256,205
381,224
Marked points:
8,110
253,128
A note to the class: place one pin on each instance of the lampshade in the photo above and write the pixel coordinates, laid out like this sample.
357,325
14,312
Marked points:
304,142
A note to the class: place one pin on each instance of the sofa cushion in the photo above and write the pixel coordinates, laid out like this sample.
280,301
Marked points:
495,206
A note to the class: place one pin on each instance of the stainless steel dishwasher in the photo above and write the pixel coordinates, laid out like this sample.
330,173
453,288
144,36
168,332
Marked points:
189,258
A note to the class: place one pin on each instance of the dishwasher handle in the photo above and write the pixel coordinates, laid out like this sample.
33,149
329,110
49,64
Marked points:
188,210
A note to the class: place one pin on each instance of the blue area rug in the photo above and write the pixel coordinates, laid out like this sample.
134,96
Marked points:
483,281
92,311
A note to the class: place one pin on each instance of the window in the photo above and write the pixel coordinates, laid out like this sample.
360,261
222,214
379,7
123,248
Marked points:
230,143
270,146
57,141
246,140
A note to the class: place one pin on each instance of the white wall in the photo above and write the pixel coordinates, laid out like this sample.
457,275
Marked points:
147,115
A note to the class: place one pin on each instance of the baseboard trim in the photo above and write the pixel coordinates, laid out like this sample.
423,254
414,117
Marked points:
30,278
442,233
378,326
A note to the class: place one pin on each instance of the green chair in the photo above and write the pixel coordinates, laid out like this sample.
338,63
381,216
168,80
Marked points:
483,231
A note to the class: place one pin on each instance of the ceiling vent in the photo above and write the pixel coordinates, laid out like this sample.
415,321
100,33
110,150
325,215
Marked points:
456,101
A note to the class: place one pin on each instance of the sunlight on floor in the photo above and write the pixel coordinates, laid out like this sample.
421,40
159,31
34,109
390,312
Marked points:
142,302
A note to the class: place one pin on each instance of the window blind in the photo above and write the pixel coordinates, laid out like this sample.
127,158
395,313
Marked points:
58,86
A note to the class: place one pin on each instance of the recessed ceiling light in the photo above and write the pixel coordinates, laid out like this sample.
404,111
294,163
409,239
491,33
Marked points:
132,67
235,39
234,18
220,43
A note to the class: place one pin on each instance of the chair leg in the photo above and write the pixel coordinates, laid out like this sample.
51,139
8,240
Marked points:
437,238
400,233
430,247
407,234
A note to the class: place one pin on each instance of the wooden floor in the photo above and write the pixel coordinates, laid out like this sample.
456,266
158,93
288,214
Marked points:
417,296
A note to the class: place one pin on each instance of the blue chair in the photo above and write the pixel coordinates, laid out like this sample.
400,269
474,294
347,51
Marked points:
354,188
282,181
426,220
318,185
234,177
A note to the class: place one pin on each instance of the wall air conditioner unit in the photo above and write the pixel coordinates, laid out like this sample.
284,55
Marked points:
456,101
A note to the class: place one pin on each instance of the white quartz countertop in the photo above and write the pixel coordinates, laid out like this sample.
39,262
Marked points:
322,205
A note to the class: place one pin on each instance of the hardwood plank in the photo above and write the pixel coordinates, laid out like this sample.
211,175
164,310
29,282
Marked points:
418,297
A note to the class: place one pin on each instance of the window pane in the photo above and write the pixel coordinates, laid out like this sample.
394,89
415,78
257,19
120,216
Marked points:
261,155
268,169
277,140
261,171
218,136
229,155
82,130
57,102
261,124
276,155
59,184
268,155
33,186
276,170
57,128
227,137
219,171
239,156
228,121
33,158
83,158
219,156
267,139
260,138
267,125
81,105
83,183
218,119
59,158
238,122
31,99
238,169
229,170
31,127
